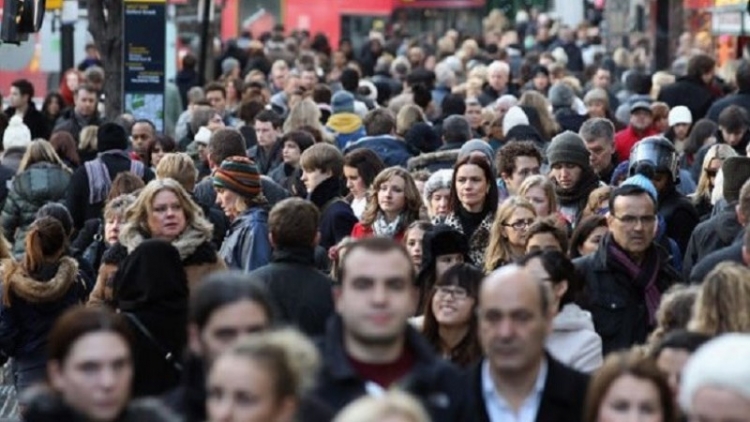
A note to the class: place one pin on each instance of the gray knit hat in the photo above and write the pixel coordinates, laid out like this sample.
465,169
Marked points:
568,147
441,179
478,145
561,95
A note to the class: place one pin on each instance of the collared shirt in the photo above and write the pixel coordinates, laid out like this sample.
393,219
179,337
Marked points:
499,410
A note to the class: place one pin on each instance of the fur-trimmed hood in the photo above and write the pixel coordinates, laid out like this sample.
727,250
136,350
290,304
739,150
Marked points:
31,290
434,161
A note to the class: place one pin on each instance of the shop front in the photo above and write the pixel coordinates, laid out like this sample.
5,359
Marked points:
730,25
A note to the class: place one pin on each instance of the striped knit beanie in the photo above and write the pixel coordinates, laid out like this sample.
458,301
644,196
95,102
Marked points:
240,175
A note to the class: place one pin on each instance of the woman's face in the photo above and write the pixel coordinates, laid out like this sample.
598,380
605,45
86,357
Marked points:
444,262
242,390
231,92
439,202
517,225
227,200
414,246
354,182
712,169
452,306
112,228
472,187
539,200
167,220
596,109
71,80
95,378
591,244
631,399
392,196
157,154
53,107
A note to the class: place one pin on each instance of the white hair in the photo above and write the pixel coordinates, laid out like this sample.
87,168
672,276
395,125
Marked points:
720,363
498,65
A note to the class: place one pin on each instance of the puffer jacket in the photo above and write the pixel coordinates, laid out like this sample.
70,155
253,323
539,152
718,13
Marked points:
347,128
574,341
246,246
39,184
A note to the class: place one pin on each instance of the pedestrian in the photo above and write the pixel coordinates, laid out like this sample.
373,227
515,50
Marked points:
723,292
437,193
360,168
508,234
288,173
22,105
82,114
545,235
672,353
393,404
344,123
587,236
16,139
712,163
413,237
515,162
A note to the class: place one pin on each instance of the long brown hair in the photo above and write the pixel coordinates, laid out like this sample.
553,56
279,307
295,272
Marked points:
412,198
45,242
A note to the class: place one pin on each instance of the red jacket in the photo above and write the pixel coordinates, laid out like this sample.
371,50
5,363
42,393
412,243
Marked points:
626,138
360,231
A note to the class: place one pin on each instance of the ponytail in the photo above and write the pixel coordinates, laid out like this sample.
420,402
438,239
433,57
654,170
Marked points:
33,257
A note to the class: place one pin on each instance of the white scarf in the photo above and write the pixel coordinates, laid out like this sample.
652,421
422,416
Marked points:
385,229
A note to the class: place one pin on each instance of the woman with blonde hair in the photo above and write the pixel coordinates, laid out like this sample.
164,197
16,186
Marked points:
540,191
393,406
712,162
163,210
658,80
508,233
393,204
675,311
306,113
723,303
538,102
42,177
87,143
407,117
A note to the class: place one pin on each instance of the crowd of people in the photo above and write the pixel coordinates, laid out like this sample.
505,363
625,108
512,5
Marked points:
517,225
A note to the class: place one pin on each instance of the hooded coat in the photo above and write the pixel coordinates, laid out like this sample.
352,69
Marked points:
36,186
159,307
573,340
197,254
347,128
33,304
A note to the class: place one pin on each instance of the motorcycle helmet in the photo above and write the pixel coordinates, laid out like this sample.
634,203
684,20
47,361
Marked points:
654,154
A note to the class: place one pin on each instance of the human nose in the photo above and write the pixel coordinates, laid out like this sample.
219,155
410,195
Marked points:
222,410
379,294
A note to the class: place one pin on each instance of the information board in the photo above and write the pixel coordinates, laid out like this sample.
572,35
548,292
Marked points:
144,52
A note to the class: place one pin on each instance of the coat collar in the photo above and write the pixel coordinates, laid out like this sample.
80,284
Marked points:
41,291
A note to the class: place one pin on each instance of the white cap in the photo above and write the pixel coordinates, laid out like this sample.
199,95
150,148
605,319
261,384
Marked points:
514,117
680,114
17,134
203,135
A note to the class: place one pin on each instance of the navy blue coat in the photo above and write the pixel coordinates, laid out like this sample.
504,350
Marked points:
392,151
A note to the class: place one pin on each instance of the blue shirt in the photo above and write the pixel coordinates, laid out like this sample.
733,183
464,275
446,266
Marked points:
499,410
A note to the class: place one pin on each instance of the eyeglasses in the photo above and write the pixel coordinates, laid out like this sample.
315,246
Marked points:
458,293
633,220
520,224
711,172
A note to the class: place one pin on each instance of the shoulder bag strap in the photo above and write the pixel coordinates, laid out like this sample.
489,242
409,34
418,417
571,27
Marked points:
168,356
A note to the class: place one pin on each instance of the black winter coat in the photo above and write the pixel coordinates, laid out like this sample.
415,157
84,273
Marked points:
617,306
77,200
300,293
680,215
336,217
731,253
711,235
49,407
433,381
741,98
562,399
689,92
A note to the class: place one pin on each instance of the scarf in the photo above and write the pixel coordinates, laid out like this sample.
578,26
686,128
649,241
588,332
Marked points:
643,276
383,228
578,194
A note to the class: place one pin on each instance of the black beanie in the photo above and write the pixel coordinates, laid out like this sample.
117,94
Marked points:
111,136
568,147
736,171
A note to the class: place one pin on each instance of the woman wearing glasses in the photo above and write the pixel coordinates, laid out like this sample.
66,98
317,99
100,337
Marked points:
711,165
450,322
508,236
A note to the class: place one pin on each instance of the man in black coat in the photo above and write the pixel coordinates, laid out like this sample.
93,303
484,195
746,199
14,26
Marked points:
625,278
369,347
736,252
694,89
82,114
22,103
518,377
91,182
301,294
740,98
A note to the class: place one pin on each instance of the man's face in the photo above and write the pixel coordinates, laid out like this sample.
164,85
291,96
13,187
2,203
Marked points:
567,175
601,79
313,178
632,222
498,79
85,103
265,133
376,297
474,115
141,135
513,326
543,242
308,80
96,376
225,325
541,81
641,119
524,167
278,77
17,99
217,100
600,151
733,138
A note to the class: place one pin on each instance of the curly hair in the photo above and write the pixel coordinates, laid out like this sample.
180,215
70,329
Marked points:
723,303
675,311
413,200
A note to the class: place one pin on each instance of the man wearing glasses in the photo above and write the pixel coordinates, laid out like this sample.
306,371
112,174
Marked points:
625,278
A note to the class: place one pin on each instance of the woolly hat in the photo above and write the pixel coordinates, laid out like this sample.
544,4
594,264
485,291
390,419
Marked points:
441,179
203,135
480,146
641,105
568,147
240,175
17,134
736,172
441,240
111,136
514,117
680,114
342,102
561,95
642,182
228,64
